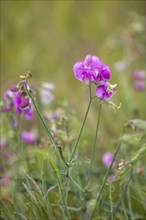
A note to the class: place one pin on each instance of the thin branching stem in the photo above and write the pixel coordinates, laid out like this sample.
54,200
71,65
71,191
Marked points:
81,130
47,129
94,145
61,193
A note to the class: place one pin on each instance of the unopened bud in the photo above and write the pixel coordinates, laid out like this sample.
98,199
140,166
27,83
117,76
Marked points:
14,89
28,75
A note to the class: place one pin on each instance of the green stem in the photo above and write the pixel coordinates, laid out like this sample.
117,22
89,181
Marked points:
47,129
95,141
77,142
105,179
61,194
74,183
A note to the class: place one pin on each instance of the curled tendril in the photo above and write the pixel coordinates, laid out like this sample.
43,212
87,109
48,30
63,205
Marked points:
113,105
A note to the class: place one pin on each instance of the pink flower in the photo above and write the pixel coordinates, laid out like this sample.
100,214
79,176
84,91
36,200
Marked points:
91,70
139,85
102,92
28,137
139,74
107,159
22,105
139,82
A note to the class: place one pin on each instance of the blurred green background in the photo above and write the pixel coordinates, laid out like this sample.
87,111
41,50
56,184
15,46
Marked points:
48,37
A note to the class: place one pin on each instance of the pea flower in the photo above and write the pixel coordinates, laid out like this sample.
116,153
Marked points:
102,92
17,98
91,70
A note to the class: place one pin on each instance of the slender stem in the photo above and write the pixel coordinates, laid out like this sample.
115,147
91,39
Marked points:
95,141
77,142
105,179
74,183
47,129
60,188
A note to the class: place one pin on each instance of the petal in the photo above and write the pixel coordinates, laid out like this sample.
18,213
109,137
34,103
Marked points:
78,70
88,60
96,63
77,66
14,89
100,91
29,114
105,72
8,97
25,105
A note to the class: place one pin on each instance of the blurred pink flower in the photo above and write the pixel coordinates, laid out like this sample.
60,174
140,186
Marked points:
139,74
5,180
139,85
139,77
111,177
28,137
107,159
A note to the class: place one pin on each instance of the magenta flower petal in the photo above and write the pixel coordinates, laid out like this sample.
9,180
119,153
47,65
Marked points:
105,72
92,62
88,60
29,114
78,70
14,89
25,105
17,99
103,93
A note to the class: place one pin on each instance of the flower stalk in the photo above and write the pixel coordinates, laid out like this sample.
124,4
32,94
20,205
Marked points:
94,145
83,124
47,129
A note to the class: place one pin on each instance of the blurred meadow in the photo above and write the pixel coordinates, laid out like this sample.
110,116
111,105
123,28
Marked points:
48,37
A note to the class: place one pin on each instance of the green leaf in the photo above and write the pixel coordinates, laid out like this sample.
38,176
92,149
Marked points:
137,123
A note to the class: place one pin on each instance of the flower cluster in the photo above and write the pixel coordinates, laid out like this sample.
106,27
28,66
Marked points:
93,70
18,99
